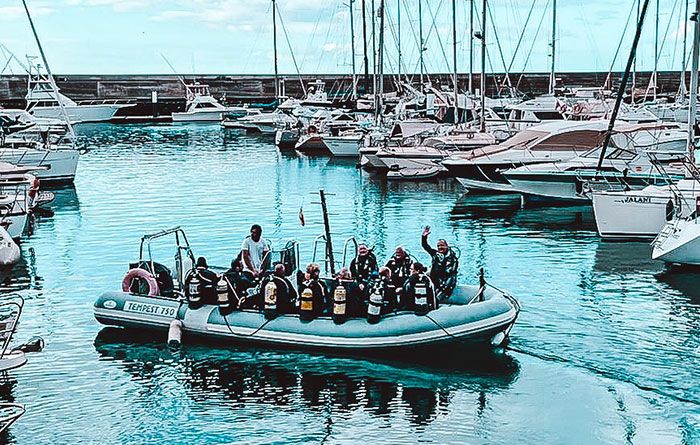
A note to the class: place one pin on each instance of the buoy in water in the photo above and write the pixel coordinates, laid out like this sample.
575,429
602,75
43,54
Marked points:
175,334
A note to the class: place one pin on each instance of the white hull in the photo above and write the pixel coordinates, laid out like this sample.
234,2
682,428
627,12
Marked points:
678,243
563,190
15,224
484,185
343,146
199,116
9,250
62,163
639,213
79,113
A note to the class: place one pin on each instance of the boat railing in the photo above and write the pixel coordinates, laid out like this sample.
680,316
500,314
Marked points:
350,241
10,312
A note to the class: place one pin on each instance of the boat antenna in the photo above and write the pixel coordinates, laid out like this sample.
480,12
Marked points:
327,226
623,85
48,70
180,78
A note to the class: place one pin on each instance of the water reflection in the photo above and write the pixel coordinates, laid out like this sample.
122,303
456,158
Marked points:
332,386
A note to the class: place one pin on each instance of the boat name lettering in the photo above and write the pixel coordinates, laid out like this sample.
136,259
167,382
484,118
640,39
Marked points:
638,199
145,308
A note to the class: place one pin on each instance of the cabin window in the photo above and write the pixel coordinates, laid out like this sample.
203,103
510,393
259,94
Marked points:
548,115
205,105
572,140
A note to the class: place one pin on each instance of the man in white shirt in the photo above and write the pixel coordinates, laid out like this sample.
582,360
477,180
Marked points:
253,251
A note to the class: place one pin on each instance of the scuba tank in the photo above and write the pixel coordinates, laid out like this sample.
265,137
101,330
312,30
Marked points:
306,304
339,304
374,308
192,288
270,300
420,292
222,293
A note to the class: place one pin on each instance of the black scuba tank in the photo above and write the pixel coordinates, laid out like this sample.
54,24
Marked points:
420,293
374,308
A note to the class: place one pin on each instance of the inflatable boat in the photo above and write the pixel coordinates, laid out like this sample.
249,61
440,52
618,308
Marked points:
473,314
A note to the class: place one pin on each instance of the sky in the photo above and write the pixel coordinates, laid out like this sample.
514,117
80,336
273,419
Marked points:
313,36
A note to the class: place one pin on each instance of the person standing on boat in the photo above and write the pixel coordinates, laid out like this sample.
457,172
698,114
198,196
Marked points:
254,252
418,293
364,266
400,266
443,269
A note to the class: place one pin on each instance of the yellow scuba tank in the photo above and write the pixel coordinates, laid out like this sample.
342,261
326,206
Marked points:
306,304
374,308
339,304
270,300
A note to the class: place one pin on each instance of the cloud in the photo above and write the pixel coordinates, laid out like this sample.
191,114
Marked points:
17,12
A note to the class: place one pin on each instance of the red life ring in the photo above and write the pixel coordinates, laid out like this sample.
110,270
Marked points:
144,275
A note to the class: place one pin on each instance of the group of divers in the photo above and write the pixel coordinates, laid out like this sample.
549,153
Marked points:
364,290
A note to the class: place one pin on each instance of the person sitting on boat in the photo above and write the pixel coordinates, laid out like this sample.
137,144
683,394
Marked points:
400,266
313,294
200,284
443,270
383,282
363,266
254,252
356,306
286,295
418,293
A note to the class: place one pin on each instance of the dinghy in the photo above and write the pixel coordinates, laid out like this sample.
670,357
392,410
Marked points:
473,314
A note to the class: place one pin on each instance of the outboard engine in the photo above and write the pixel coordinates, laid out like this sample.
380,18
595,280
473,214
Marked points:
306,304
339,304
374,308
270,300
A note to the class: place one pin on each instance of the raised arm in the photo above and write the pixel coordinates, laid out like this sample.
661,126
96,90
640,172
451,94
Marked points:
424,241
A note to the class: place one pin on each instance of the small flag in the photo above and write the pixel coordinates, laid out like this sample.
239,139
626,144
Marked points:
301,216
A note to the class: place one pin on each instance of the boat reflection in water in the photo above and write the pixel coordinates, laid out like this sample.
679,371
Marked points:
332,386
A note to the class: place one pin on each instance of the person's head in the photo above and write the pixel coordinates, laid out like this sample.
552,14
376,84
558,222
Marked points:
385,272
313,270
399,253
280,270
255,232
416,268
344,274
362,249
442,246
202,262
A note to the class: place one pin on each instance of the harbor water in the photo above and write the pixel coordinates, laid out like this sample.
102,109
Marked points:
606,348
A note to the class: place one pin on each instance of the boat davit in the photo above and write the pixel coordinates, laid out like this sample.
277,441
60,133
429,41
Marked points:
474,314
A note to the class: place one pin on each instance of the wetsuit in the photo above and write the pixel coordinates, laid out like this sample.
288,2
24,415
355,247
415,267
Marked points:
443,270
400,269
363,267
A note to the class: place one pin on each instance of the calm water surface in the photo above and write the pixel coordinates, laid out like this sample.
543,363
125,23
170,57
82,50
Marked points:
606,349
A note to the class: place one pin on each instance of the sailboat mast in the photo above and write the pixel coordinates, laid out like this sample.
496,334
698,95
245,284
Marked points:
374,52
623,85
48,71
552,75
482,82
380,68
634,67
398,26
422,46
656,49
692,109
274,46
454,55
364,44
352,50
685,48
471,46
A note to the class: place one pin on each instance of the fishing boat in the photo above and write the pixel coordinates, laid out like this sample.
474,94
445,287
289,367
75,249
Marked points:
203,107
478,314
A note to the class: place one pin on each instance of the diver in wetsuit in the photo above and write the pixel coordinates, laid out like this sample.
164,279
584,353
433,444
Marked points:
363,266
418,293
285,295
312,294
200,285
443,269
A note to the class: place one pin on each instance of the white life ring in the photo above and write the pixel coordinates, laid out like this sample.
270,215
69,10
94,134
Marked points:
144,275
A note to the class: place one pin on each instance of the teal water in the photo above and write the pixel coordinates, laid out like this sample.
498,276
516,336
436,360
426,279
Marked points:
606,349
